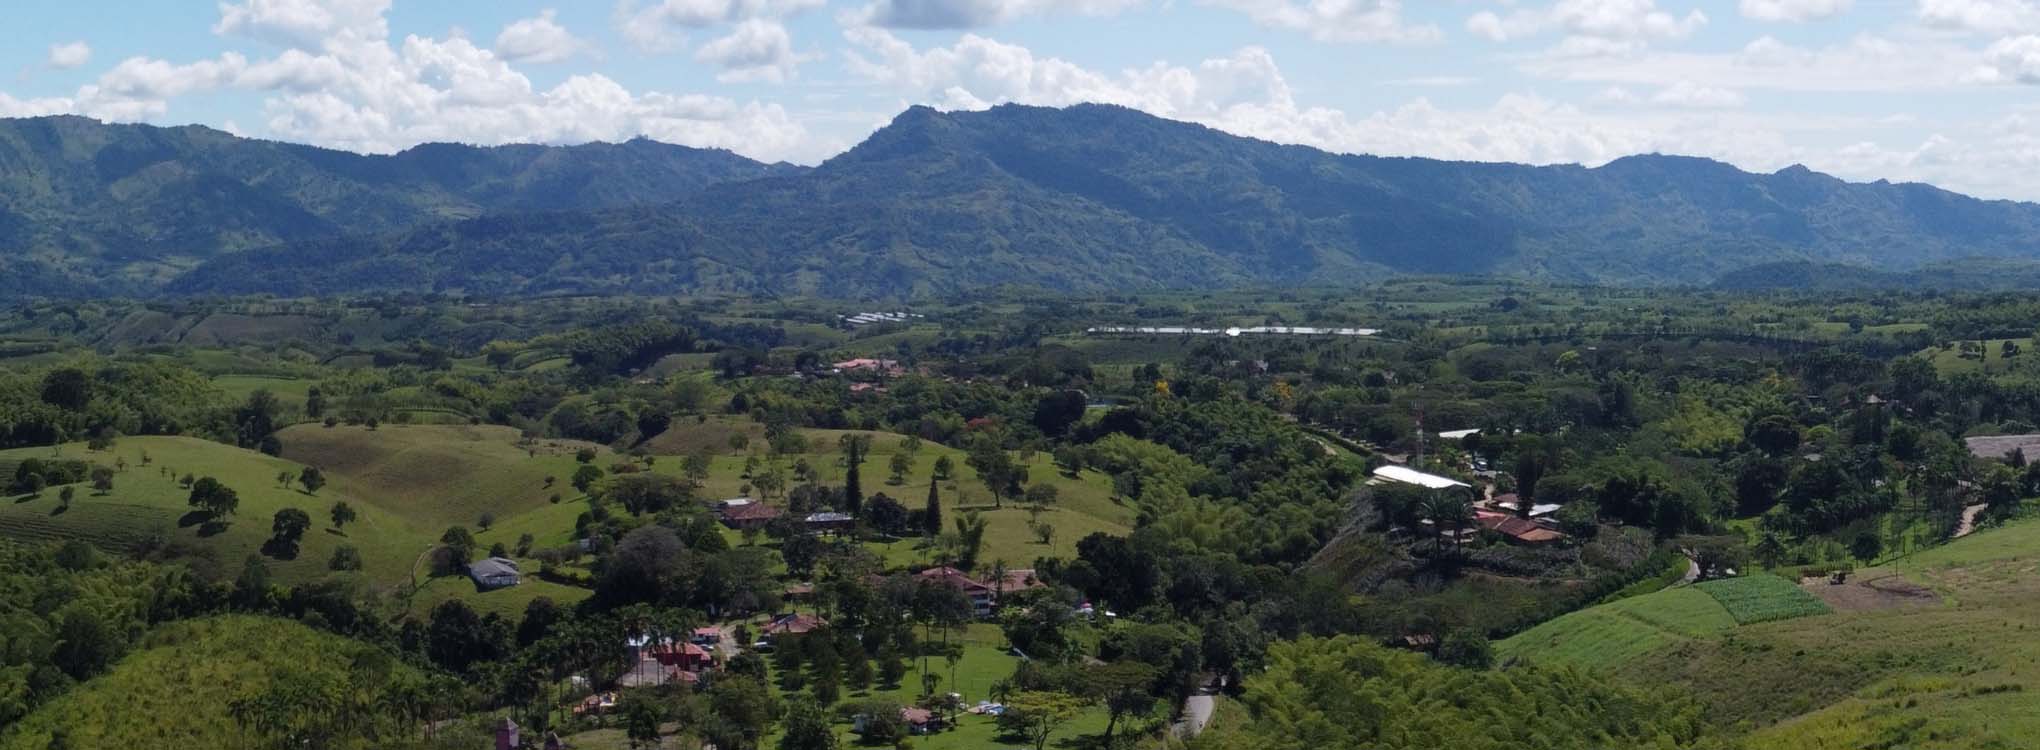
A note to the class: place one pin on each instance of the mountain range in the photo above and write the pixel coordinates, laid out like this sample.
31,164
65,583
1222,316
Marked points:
1089,197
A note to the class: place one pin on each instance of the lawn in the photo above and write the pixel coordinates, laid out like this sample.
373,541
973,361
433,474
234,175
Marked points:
1762,598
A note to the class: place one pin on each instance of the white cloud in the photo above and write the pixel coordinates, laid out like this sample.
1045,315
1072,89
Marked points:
69,55
304,22
971,14
1865,63
1611,20
2011,60
756,50
539,39
1337,20
1985,16
663,25
348,89
1689,94
1794,10
12,107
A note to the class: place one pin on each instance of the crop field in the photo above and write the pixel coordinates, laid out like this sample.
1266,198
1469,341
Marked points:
1612,634
1762,598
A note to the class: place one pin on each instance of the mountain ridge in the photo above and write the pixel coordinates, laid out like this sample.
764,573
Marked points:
1104,198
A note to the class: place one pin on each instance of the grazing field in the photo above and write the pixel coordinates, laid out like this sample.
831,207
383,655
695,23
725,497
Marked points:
175,689
436,475
1762,598
148,505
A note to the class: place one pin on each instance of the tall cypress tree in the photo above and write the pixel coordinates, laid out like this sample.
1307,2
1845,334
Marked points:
931,516
853,490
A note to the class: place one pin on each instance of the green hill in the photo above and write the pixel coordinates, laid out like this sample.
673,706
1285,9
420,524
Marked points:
1937,650
175,690
93,207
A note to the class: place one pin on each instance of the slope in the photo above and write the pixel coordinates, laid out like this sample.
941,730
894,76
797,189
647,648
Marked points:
1957,671
79,198
1096,197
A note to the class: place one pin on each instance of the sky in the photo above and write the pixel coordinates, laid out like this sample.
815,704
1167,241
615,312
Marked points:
1939,91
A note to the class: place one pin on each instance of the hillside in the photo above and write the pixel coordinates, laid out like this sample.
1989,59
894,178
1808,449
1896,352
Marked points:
1934,649
1098,198
176,689
89,207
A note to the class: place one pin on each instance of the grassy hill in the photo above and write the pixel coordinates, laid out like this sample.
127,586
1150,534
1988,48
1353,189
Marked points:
175,689
148,506
1935,650
438,475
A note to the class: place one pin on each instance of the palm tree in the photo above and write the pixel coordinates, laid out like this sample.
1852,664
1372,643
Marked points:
1447,510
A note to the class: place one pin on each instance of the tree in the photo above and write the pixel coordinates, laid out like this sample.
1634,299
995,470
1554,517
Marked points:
1042,495
1123,687
891,667
459,544
312,479
1466,647
1770,551
315,403
102,479
586,476
931,513
216,499
1036,716
970,533
807,728
342,514
1530,466
345,557
64,496
853,489
901,463
641,722
288,526
695,467
944,467
1867,546
801,551
584,455
486,520
1451,511
1043,532
997,470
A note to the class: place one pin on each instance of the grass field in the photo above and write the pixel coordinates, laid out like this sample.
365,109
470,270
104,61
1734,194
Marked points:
174,689
1613,634
1762,598
148,503
437,475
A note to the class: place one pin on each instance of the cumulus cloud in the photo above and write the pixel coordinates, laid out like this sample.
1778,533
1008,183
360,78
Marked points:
1865,63
343,82
539,39
663,25
756,50
971,14
1619,21
1337,20
69,55
1689,94
1793,10
2011,60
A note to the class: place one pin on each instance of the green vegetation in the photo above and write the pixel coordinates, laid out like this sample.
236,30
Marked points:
1762,598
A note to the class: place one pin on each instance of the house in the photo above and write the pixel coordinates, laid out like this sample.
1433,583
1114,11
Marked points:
921,720
2001,447
794,625
494,573
506,735
685,656
799,592
980,595
830,521
707,636
1517,529
1508,501
748,515
1458,434
886,367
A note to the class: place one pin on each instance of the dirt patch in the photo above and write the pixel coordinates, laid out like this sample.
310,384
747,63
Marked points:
1869,590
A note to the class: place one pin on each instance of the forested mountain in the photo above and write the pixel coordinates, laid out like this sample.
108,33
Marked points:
86,206
1089,197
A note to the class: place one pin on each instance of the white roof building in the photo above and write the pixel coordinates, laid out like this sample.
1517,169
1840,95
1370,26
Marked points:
1407,475
1459,434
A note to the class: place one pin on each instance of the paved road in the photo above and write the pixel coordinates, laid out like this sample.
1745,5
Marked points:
1196,714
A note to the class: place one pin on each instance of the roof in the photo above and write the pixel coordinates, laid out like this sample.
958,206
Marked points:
913,715
952,577
1536,509
492,567
1521,529
733,502
830,517
1459,434
2001,446
795,624
1407,475
750,512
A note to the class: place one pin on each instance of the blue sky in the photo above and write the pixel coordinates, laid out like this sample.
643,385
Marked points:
1929,90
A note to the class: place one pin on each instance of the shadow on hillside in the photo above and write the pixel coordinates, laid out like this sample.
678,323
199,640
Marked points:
280,549
59,510
212,528
335,532
193,518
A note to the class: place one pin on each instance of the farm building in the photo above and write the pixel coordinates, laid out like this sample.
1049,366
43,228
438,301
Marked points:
1407,475
494,573
748,515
